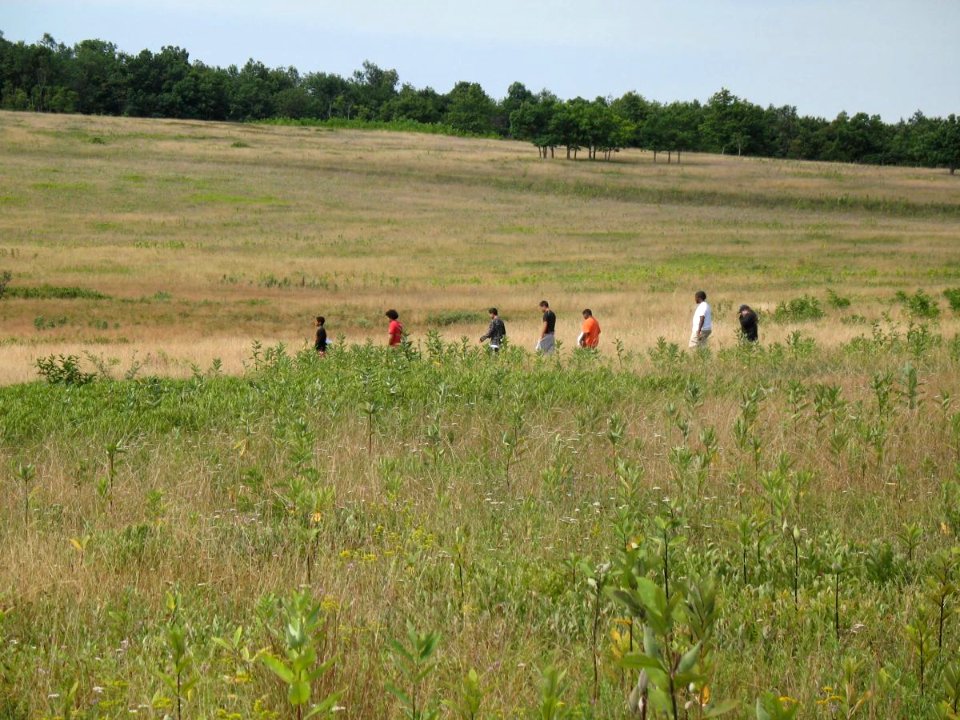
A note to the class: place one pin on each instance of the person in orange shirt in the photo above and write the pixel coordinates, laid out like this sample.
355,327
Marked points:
590,331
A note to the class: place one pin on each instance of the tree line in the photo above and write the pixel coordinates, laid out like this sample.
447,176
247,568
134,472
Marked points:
94,77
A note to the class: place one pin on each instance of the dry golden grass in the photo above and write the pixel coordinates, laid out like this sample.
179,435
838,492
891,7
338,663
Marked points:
207,236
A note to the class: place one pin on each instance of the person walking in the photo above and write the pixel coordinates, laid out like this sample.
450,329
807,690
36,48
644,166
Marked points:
589,331
546,344
748,324
395,330
320,340
702,321
496,331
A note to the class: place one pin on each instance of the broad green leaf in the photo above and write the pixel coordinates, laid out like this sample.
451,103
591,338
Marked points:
429,645
324,706
762,713
278,667
638,661
721,709
651,646
299,693
689,659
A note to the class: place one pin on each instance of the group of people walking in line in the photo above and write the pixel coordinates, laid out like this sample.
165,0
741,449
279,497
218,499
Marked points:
589,337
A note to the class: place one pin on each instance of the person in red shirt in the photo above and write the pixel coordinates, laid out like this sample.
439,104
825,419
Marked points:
590,331
395,331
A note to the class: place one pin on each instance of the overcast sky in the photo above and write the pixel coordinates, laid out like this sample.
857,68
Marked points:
886,57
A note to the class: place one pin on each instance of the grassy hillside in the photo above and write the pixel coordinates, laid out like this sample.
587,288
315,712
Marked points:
440,532
207,236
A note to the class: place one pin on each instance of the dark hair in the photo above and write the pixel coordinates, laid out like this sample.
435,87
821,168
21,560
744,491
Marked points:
544,303
701,295
321,319
588,312
493,311
392,314
745,307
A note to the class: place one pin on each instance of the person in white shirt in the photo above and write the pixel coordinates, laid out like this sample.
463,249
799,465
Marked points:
702,321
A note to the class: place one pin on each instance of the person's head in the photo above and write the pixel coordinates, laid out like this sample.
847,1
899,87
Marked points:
700,296
392,314
745,310
587,313
493,312
321,319
544,305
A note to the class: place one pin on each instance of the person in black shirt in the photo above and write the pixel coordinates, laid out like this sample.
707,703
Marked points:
321,339
748,324
546,344
496,332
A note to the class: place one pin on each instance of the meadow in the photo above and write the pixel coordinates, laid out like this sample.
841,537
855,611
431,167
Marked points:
202,519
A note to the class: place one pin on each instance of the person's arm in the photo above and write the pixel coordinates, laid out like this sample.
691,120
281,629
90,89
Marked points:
543,330
700,325
489,333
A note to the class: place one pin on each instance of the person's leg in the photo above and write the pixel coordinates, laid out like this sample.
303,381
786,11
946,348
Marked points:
546,344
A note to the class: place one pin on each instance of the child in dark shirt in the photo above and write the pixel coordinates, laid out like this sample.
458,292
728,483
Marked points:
320,345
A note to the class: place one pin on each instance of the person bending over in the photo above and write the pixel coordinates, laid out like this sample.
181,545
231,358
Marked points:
748,324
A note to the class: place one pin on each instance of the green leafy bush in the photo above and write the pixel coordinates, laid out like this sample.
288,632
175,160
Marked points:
919,305
952,295
798,309
63,370
44,323
838,302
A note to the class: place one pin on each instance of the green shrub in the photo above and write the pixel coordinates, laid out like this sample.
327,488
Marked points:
838,302
952,295
63,370
44,323
799,309
919,305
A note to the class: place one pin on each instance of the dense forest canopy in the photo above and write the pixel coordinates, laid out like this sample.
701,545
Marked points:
94,77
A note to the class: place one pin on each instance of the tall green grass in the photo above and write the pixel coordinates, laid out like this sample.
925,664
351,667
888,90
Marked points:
512,517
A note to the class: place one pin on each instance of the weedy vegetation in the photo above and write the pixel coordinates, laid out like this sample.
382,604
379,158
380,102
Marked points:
438,532
435,531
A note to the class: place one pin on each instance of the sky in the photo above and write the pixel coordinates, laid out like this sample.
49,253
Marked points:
882,57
